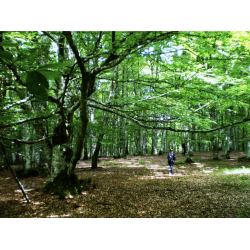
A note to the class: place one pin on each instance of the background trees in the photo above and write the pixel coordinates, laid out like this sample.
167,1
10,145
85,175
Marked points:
121,93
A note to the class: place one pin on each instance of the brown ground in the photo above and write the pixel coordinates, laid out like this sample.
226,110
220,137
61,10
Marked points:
138,187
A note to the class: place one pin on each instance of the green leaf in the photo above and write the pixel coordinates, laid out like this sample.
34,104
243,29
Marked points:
55,65
8,44
6,55
37,85
25,57
51,75
24,76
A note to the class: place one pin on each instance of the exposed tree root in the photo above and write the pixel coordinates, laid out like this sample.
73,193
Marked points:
63,185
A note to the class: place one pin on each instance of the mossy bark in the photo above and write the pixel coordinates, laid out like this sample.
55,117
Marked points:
189,160
187,154
63,184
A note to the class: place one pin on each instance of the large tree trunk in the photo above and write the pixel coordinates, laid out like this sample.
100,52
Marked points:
63,179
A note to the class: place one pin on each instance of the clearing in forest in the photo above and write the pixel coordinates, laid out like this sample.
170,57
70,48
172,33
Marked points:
139,186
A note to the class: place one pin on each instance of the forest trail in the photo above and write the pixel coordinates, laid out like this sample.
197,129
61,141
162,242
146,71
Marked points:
139,186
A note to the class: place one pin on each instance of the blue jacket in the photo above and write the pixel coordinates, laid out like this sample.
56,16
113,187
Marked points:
169,157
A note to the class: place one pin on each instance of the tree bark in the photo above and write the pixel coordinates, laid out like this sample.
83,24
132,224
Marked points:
98,144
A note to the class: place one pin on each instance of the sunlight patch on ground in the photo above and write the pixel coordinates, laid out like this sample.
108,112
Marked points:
66,215
136,166
242,170
124,162
198,165
163,176
147,177
25,190
52,216
153,166
159,174
38,203
208,171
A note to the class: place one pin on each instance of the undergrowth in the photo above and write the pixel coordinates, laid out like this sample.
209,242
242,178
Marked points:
244,213
41,171
110,163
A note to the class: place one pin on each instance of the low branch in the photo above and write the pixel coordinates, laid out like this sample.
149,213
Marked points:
130,111
28,120
17,103
73,47
50,36
115,111
201,107
26,142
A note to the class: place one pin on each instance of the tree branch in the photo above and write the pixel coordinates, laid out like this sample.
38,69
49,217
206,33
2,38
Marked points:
115,111
26,142
50,36
70,41
17,103
28,120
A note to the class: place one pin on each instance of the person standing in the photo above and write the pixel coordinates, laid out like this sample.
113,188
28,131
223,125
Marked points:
171,160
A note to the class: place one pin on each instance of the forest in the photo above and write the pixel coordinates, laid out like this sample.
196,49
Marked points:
87,119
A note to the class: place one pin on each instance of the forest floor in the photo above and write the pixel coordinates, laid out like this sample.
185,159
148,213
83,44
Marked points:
139,186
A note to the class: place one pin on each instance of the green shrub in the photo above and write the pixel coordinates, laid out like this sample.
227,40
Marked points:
32,172
243,158
244,213
110,163
244,177
217,163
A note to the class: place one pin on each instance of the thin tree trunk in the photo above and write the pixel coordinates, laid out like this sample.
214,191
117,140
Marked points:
27,148
98,144
12,172
85,146
214,135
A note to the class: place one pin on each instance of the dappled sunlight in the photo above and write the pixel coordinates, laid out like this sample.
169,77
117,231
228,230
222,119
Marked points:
208,171
66,215
153,166
126,188
198,165
241,170
38,203
53,216
25,190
